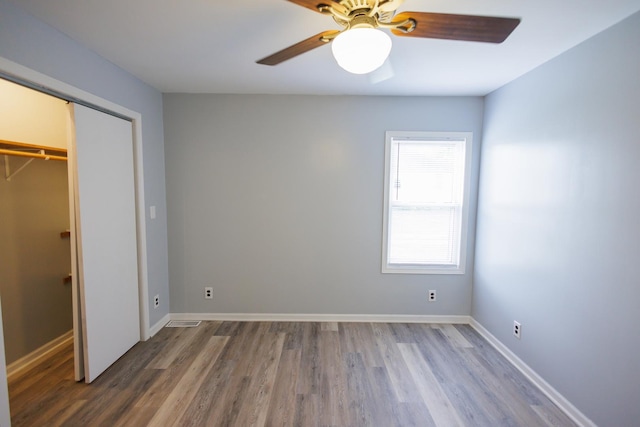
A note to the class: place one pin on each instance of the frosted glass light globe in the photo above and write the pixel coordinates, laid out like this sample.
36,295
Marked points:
361,50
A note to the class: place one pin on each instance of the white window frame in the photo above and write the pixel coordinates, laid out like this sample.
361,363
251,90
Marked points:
458,268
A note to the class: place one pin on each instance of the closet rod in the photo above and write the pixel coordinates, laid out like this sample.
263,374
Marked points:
33,155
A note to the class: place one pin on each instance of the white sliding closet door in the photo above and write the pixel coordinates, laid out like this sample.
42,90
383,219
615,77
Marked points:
105,218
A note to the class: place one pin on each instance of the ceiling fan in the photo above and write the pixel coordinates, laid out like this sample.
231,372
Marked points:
360,39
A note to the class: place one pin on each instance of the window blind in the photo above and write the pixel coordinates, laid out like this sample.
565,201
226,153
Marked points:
425,202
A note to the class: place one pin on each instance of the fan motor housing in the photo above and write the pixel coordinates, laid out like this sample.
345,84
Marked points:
365,13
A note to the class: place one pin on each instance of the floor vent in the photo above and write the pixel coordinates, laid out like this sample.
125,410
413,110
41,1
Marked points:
182,324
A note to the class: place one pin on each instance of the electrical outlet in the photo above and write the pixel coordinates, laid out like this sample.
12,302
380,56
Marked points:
432,295
517,329
156,301
208,293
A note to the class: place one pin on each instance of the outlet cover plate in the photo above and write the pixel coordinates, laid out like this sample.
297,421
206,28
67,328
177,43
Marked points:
517,329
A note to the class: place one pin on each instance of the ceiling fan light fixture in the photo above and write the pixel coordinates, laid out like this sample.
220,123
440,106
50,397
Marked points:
361,50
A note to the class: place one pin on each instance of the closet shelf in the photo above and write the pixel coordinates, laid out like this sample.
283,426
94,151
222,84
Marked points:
21,149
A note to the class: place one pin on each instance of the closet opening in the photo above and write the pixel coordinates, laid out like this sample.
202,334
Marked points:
35,274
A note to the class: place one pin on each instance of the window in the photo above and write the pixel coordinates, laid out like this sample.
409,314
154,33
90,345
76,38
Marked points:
426,198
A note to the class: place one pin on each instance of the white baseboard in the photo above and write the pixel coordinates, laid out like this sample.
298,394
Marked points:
286,317
159,325
26,362
557,398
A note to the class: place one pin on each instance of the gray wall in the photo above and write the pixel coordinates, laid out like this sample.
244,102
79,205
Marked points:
558,241
276,202
34,209
31,43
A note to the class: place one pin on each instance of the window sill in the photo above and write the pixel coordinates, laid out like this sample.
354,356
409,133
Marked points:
405,269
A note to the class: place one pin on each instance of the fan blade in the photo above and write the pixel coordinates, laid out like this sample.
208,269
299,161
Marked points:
457,27
299,48
313,4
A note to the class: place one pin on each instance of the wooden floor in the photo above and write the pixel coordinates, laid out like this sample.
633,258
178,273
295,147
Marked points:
291,374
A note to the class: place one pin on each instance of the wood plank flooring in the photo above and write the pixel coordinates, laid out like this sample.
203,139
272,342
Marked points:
291,374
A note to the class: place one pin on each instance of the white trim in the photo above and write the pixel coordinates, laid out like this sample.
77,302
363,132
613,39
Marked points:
26,362
286,317
28,75
141,221
553,394
157,327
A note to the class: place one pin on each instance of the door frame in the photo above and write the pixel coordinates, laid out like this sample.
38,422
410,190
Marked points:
31,78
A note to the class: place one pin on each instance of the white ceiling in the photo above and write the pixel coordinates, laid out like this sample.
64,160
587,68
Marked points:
211,46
